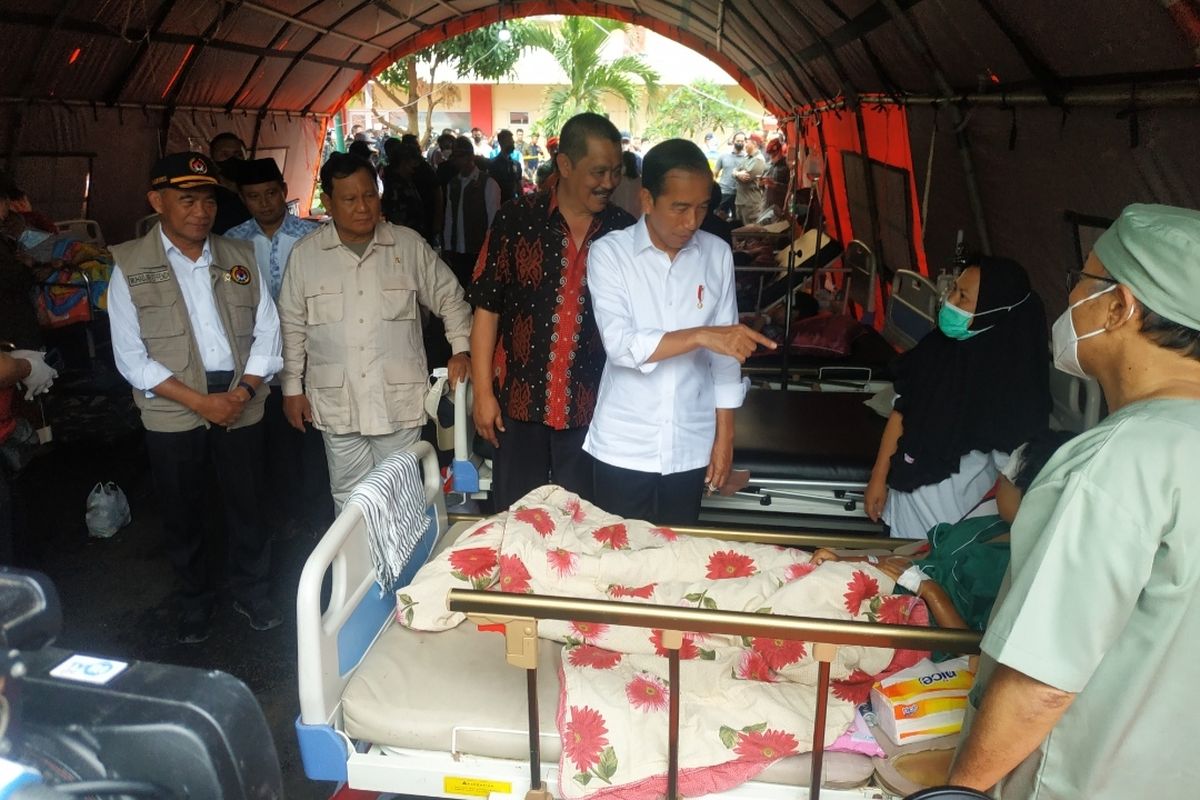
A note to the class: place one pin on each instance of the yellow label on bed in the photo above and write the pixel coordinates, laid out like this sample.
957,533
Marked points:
474,787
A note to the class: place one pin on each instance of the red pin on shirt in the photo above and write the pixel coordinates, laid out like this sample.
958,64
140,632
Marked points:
700,296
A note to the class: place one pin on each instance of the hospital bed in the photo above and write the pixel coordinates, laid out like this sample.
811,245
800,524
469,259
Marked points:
465,714
810,450
809,455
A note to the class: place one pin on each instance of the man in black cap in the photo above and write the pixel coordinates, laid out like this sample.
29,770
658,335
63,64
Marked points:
297,480
228,152
196,334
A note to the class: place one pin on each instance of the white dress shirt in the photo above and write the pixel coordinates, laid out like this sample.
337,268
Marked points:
195,283
491,203
660,416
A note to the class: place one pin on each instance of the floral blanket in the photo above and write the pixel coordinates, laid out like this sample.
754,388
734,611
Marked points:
746,702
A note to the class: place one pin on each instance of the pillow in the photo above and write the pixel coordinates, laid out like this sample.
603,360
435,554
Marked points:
826,337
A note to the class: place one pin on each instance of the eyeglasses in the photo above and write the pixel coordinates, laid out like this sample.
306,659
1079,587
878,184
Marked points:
1074,276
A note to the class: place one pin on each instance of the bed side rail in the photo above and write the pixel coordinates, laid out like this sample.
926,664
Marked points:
331,644
804,540
517,615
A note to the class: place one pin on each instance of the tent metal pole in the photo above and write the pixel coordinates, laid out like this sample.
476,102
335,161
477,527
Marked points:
909,34
271,12
10,100
1116,97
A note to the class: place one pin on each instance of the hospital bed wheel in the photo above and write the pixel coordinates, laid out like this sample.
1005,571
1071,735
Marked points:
765,500
850,505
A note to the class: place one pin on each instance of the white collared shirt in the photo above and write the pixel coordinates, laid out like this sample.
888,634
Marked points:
143,372
660,416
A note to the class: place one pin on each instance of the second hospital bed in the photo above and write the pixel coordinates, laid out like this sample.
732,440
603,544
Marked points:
463,714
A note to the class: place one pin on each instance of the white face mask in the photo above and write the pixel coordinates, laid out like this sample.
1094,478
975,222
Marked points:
1065,341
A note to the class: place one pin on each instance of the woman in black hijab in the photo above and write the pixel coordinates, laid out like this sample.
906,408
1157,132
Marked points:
966,396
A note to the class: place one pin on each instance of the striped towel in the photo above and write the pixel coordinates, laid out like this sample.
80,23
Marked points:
392,500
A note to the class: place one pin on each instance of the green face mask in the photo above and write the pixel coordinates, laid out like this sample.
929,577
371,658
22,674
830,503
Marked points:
954,322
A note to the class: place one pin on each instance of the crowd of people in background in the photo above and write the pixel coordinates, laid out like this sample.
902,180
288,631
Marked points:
750,167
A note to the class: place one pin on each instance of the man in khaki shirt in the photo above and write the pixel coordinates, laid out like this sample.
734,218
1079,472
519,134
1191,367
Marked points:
353,359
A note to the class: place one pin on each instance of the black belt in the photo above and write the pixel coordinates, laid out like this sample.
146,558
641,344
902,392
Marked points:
219,381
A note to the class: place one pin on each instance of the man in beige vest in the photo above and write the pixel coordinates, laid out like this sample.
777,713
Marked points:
195,333
354,364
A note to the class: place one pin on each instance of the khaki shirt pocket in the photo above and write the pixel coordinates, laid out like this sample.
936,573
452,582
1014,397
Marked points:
241,316
166,335
406,385
324,309
398,304
328,394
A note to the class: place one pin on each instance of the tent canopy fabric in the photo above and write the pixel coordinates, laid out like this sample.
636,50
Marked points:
1005,113
302,56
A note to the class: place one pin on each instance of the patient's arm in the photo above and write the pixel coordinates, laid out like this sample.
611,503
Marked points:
943,611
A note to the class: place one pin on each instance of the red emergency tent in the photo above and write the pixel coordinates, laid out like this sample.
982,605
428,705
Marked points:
1005,113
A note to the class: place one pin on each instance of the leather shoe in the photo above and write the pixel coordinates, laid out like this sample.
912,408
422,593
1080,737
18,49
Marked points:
262,614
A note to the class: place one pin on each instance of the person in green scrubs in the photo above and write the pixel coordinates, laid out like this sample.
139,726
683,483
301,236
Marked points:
1093,650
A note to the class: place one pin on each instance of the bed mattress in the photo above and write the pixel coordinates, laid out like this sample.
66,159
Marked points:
453,692
813,436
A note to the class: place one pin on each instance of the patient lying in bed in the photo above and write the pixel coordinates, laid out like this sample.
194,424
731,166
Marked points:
742,707
958,573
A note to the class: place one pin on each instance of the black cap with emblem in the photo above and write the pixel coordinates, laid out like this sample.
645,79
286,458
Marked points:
183,171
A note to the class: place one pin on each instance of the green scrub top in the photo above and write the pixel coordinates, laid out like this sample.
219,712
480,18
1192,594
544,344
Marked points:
1103,599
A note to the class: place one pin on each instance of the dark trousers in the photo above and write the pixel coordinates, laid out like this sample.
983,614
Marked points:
182,464
532,454
727,204
461,264
297,477
660,499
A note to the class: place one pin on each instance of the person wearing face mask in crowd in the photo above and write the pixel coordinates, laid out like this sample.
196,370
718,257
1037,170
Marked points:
748,197
228,152
966,396
1094,643
726,165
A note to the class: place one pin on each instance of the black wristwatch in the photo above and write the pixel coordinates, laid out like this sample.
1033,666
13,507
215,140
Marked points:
249,389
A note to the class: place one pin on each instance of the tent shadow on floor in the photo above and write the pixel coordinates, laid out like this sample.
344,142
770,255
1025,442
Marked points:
116,593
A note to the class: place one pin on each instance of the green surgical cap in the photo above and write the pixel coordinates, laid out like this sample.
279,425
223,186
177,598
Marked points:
1155,251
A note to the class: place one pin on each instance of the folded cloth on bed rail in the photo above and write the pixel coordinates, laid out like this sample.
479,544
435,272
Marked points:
816,436
742,705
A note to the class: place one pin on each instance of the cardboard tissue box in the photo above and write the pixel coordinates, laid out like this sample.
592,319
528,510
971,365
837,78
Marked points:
925,701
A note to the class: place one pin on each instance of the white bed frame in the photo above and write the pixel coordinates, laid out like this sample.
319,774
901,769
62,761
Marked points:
332,644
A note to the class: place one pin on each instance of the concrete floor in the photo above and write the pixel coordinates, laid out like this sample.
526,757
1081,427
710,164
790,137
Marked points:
116,592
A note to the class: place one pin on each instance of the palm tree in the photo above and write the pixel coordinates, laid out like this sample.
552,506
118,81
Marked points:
576,45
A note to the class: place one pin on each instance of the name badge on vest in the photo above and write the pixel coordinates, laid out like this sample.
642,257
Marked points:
160,275
239,275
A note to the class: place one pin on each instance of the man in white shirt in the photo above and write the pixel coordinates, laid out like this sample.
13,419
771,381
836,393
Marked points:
663,295
297,500
196,334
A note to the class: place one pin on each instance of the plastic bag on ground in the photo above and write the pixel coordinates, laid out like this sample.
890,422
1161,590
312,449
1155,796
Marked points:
107,510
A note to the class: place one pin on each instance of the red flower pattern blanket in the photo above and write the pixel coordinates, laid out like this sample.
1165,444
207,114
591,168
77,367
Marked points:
744,702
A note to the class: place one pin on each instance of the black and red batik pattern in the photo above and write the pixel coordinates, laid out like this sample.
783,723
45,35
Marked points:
549,356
